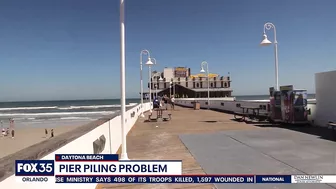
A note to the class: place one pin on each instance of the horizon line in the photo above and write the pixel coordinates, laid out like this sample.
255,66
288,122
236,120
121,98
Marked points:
131,98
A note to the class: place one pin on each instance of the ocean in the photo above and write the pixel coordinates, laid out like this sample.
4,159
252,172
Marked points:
59,113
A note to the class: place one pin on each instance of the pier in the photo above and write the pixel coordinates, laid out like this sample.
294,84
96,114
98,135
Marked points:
60,62
211,142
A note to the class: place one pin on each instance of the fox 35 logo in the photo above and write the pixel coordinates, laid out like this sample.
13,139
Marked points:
34,168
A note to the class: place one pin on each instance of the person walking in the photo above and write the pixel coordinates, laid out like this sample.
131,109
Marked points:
172,100
11,126
156,103
165,100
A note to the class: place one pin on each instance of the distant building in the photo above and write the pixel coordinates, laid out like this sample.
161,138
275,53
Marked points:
179,82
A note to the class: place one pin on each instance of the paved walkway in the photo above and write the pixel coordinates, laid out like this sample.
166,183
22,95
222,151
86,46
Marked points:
210,142
160,140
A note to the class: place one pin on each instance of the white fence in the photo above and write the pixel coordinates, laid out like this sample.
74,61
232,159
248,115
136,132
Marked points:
229,105
83,145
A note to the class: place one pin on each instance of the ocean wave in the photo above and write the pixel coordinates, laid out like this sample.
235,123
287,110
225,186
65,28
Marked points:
34,115
67,107
75,118
42,119
94,107
28,108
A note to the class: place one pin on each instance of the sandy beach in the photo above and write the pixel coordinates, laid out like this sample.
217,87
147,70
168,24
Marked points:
25,137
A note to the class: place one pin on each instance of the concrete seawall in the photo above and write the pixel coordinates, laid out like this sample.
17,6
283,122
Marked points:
100,136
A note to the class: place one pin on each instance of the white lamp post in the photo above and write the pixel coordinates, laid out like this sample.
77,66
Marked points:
203,71
123,155
170,86
160,80
141,80
174,83
149,64
156,83
266,42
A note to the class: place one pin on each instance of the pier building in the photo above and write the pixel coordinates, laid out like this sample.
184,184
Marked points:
179,82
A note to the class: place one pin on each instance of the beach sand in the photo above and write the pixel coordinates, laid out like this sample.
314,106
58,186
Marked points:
25,137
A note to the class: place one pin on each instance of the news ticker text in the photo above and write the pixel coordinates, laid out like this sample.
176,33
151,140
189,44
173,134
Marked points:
180,179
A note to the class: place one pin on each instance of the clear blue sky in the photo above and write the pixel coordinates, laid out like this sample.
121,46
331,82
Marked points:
69,49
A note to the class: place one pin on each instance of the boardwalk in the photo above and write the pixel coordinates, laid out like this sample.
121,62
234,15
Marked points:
209,142
146,141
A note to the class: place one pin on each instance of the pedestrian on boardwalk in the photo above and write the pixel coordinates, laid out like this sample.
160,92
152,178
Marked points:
172,101
161,102
156,103
52,133
165,100
46,132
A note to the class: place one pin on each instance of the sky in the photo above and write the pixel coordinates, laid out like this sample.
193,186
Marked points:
70,49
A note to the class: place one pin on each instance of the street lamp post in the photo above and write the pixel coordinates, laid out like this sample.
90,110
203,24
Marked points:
174,82
203,71
160,79
123,155
266,42
170,86
156,82
149,64
155,89
141,80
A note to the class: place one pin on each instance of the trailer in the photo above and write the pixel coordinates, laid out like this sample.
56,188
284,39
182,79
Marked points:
288,105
